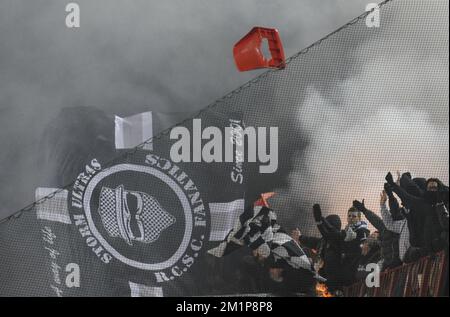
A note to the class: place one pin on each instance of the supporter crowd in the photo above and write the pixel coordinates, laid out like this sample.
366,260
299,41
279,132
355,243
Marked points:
412,222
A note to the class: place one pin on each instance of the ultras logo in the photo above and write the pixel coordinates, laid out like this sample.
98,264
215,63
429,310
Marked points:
147,215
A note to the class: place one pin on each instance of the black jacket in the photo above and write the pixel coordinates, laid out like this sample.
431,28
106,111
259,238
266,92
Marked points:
389,241
415,217
352,252
373,256
432,216
330,250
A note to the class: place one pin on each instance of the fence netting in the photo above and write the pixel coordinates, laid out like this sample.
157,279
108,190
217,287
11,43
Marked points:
363,101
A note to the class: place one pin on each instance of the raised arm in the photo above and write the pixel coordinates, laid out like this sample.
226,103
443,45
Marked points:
392,225
328,231
394,206
373,218
407,199
406,181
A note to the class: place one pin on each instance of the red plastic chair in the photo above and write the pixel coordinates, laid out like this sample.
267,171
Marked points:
248,54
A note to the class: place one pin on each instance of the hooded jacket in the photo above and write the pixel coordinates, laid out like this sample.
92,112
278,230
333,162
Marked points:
329,248
417,188
428,216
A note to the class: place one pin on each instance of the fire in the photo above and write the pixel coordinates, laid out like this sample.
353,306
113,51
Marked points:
322,290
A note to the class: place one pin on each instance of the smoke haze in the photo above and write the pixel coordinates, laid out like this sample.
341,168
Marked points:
362,103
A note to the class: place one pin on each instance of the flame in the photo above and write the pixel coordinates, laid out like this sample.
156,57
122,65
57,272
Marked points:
262,201
322,290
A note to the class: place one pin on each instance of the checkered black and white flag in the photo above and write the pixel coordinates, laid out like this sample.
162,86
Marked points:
257,228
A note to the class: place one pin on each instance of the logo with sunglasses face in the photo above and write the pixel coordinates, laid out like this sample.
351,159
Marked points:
133,216
147,214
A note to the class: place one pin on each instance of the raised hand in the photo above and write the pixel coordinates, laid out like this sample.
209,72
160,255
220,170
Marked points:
387,189
383,197
359,205
389,179
399,176
317,212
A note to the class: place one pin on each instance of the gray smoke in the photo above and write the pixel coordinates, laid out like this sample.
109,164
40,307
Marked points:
390,114
128,57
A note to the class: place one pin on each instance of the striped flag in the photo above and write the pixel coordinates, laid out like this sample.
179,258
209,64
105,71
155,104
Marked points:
257,229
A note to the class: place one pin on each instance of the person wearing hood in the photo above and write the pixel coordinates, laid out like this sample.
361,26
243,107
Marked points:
415,218
329,247
431,209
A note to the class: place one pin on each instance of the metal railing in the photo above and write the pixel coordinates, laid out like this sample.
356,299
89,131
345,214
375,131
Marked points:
423,278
